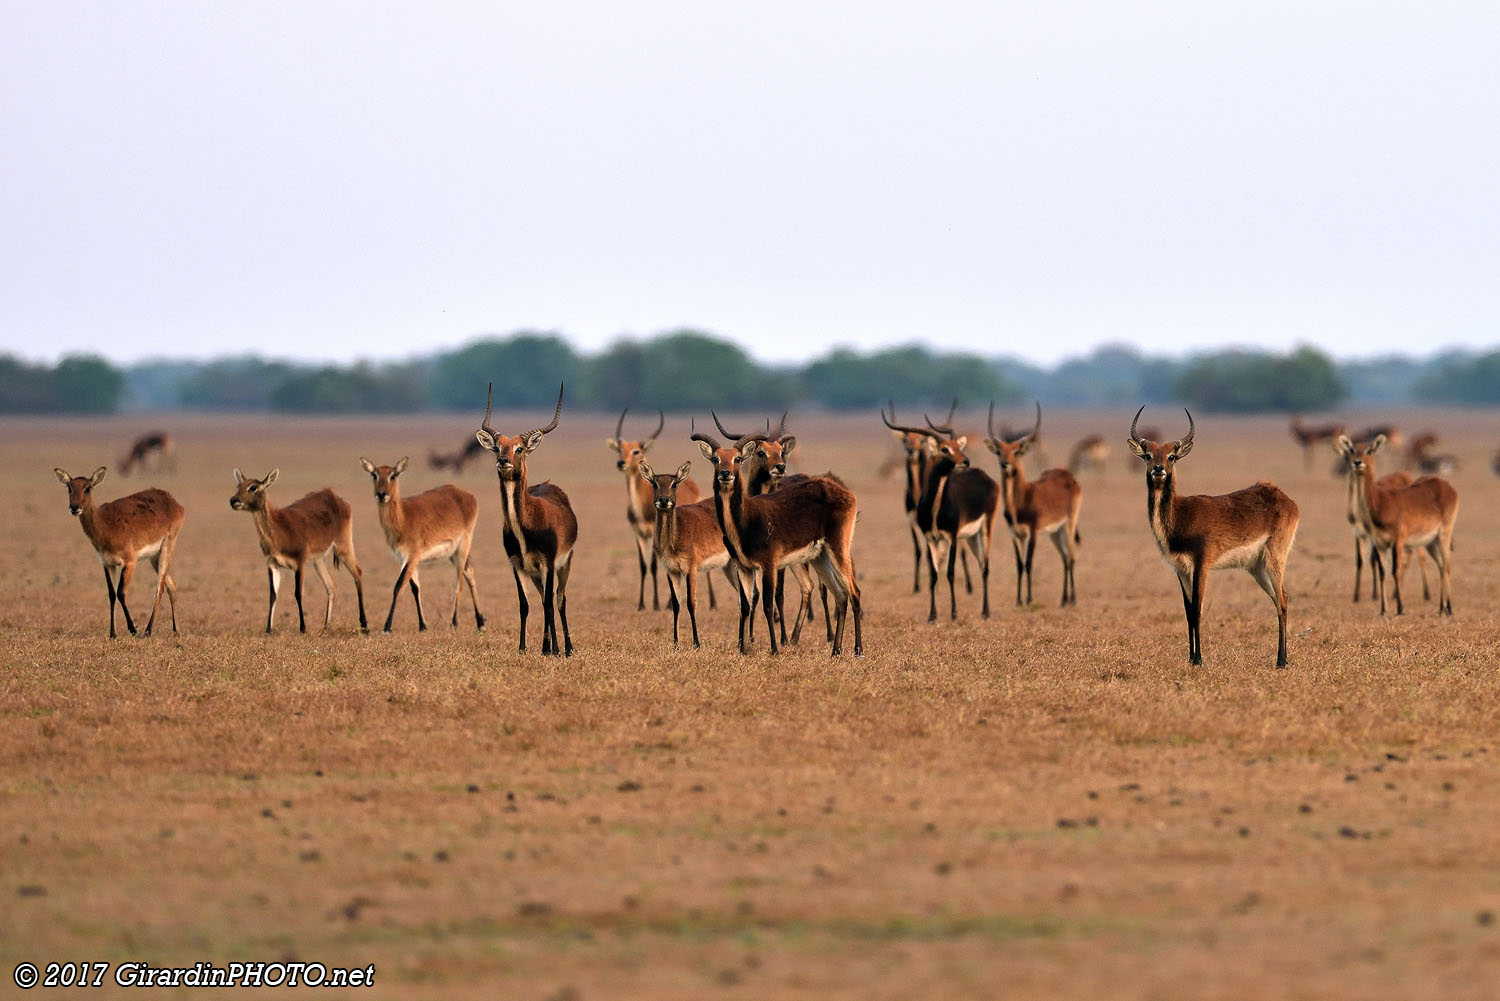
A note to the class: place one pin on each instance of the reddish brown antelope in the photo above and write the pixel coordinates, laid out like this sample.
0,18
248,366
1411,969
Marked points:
539,528
959,505
1309,437
1391,481
1251,529
1047,507
1090,452
157,443
808,521
304,531
639,499
686,539
435,524
1401,518
139,526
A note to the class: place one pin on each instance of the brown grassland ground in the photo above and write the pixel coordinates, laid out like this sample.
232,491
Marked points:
1050,803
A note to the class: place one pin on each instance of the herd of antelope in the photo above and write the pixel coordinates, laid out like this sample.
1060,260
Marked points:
758,522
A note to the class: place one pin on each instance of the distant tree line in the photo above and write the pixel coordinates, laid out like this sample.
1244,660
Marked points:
691,371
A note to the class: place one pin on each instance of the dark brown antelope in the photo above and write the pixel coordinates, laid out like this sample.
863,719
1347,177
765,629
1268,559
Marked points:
1047,507
539,528
457,459
686,539
305,530
152,443
435,524
639,502
810,521
1402,518
918,458
1311,436
1251,529
959,505
138,526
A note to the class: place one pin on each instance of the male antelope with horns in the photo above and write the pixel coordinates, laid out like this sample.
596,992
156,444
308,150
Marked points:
1251,529
539,527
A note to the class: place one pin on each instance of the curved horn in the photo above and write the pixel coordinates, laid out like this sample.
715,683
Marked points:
707,439
661,422
780,428
903,429
1038,421
724,430
990,423
489,397
951,411
1134,420
620,424
944,429
557,414
1191,430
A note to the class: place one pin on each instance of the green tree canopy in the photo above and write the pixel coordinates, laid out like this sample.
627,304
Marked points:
525,369
1256,382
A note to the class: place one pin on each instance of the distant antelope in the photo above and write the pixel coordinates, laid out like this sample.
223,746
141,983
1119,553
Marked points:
959,505
304,531
1311,436
157,443
139,525
1391,481
539,527
1250,529
686,539
434,524
1047,507
639,498
809,521
457,459
1090,452
918,459
1421,514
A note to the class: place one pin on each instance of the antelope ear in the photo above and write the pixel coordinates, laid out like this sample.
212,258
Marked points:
646,445
646,472
899,435
992,445
1182,448
1022,447
613,444
1377,444
63,477
401,466
961,441
682,473
1138,448
271,477
486,439
533,440
748,449
1342,445
99,475
707,450
368,465
239,477
787,444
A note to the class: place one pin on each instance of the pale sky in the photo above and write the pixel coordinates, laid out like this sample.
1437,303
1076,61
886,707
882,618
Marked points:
343,180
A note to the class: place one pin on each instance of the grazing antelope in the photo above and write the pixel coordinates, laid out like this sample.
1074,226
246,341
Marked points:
143,524
686,539
306,530
810,521
1420,514
959,504
918,459
1390,481
157,443
1251,529
434,524
539,527
639,502
1090,452
1310,436
455,460
1047,507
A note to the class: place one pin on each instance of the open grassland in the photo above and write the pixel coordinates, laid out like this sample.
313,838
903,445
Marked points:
1049,803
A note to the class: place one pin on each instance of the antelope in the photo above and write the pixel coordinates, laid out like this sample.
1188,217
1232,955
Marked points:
539,527
1391,481
1420,514
918,458
959,504
157,443
1090,452
455,460
687,539
1047,507
1310,436
434,524
306,530
810,521
143,524
639,502
1250,529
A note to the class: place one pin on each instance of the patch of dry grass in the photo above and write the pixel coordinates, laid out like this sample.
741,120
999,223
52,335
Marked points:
1048,803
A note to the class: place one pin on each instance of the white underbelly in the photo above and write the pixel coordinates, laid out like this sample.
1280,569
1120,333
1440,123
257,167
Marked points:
806,554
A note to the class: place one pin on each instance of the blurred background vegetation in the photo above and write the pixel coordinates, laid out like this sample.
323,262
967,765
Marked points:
691,371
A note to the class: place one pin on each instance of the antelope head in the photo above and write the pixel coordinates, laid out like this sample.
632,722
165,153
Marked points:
1160,459
511,452
250,494
772,449
1357,454
664,487
80,487
726,459
1010,452
939,440
385,479
631,452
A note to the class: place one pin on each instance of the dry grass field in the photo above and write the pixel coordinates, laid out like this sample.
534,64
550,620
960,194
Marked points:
1050,803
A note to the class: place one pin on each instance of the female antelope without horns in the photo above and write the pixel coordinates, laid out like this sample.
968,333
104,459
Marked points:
435,524
687,539
1390,481
306,530
124,531
539,527
1398,518
1250,529
1047,507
